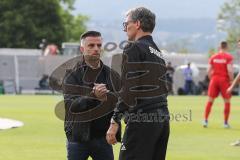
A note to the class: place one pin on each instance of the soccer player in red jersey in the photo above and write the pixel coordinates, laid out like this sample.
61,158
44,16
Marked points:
220,73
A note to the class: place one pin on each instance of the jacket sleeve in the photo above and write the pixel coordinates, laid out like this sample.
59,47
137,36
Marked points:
131,53
76,102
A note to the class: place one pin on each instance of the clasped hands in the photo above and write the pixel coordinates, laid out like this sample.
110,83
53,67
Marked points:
100,91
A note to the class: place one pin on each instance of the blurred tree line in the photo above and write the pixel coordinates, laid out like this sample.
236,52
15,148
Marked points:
24,23
229,21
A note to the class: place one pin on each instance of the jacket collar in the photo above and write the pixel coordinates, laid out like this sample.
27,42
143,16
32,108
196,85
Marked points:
147,37
85,66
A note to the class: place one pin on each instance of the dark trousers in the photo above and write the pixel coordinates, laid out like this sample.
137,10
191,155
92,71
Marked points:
98,149
170,87
145,140
188,86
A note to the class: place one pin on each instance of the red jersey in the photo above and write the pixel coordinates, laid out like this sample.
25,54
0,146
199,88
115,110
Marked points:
219,64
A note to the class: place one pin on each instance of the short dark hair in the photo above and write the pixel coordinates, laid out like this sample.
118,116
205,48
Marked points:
145,16
89,34
224,45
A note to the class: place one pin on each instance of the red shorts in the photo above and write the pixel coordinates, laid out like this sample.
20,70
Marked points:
219,85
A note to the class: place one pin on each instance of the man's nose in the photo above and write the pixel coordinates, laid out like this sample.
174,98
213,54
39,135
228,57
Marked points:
96,48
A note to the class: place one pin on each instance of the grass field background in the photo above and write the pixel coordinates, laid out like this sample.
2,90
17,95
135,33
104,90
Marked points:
42,136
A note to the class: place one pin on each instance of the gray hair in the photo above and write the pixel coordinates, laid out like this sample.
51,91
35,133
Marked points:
145,16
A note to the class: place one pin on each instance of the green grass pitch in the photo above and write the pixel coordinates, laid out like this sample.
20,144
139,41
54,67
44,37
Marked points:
42,136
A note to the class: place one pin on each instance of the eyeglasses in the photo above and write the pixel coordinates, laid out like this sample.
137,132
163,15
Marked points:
125,24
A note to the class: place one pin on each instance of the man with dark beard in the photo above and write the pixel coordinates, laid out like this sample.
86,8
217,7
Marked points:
86,139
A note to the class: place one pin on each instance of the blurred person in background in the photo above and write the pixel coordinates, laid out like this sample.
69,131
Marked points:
188,76
220,73
230,89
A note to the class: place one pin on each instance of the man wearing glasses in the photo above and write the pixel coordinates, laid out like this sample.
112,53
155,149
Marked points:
147,130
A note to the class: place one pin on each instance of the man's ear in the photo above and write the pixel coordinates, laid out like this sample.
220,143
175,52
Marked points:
138,24
81,49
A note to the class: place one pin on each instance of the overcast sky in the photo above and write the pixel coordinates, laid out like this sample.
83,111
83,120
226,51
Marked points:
114,9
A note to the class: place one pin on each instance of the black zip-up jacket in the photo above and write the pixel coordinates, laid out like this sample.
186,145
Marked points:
141,54
83,131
